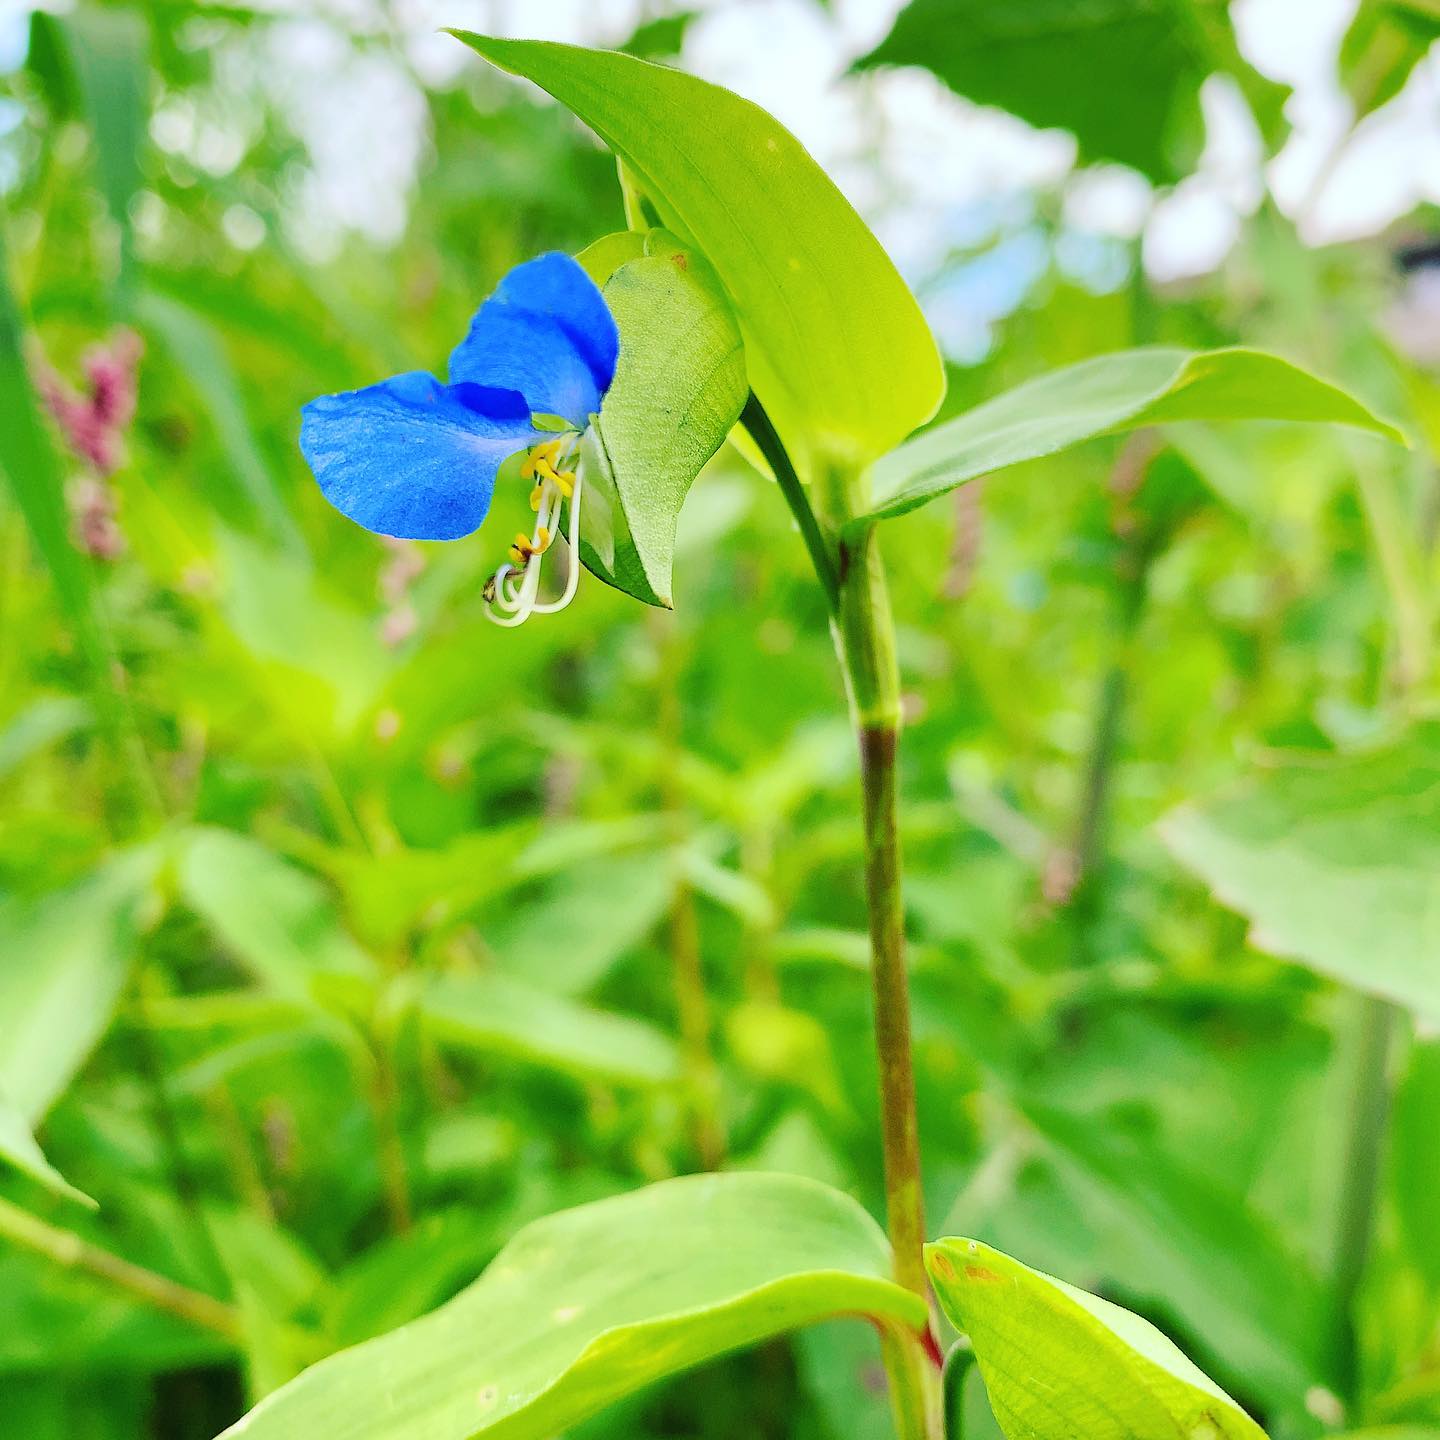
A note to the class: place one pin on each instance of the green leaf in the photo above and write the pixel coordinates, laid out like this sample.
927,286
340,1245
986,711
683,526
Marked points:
1059,1362
1385,42
198,354
678,390
836,346
1335,862
1106,396
64,959
277,921
590,1305
109,51
1199,1251
18,1146
1123,78
497,1015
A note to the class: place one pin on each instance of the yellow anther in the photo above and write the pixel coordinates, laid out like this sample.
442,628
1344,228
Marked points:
536,496
542,539
516,558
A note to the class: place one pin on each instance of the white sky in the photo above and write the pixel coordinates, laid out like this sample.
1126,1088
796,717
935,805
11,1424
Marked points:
928,170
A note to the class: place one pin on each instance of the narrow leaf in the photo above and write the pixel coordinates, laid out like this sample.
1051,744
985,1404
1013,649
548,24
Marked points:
837,347
593,1304
1106,396
18,1146
1058,1362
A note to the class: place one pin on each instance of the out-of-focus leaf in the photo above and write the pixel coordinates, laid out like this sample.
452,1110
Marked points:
63,964
1123,78
836,346
72,1406
1200,1252
277,921
38,725
678,390
1415,1160
19,1147
1059,1362
1106,396
587,1306
660,39
567,939
108,49
199,355
1335,862
497,1015
1386,40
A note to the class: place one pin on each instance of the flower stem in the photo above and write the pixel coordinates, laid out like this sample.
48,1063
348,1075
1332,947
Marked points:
865,639
762,431
160,1292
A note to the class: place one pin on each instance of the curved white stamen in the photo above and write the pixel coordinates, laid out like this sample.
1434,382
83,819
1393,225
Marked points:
514,592
572,536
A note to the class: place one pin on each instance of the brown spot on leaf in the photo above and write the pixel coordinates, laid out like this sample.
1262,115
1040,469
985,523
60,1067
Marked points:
940,1263
984,1276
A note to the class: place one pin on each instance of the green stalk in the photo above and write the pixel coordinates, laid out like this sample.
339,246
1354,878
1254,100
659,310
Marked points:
852,575
67,1249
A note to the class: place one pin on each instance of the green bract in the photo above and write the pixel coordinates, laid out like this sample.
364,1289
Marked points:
836,346
678,390
1106,396
1059,1363
587,1306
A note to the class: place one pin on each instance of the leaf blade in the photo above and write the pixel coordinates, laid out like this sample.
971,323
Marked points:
1059,1362
594,1303
837,347
1106,395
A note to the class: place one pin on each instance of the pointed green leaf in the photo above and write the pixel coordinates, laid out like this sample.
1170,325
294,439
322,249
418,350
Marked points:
1336,863
678,390
1058,1362
590,1305
1106,396
18,1146
836,346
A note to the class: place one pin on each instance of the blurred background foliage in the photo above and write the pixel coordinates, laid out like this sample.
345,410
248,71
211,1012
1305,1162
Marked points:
341,933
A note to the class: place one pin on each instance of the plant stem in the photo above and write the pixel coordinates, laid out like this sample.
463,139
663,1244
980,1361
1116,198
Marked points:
865,637
762,431
852,574
66,1248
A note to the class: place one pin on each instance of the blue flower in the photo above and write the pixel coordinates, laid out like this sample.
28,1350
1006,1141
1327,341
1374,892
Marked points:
416,459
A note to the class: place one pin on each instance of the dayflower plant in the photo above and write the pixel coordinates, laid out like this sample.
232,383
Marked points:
418,460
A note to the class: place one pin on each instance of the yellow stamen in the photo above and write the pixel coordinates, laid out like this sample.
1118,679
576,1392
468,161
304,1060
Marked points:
536,496
542,539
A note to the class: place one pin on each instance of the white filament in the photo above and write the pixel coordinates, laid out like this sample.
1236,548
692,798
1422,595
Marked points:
517,593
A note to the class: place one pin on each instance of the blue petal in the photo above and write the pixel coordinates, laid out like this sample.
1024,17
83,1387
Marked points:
411,457
548,333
